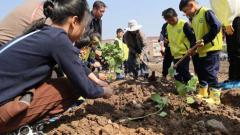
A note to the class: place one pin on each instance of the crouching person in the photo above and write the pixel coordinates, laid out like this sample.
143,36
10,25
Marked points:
27,94
180,37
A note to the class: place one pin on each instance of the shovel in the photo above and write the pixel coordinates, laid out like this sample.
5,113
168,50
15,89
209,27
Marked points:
172,70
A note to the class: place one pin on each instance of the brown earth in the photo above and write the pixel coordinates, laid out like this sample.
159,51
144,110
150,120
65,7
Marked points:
132,99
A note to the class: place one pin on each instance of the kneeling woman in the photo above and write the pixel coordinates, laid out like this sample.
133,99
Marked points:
27,93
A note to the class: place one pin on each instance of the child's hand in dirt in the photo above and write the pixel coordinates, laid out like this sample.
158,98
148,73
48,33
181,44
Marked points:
108,92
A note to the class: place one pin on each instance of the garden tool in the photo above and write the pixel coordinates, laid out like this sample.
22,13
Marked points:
172,70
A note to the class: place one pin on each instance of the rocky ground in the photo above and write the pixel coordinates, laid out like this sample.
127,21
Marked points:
132,99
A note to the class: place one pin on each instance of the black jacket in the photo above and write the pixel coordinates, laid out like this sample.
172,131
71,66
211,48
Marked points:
134,42
94,28
28,61
233,41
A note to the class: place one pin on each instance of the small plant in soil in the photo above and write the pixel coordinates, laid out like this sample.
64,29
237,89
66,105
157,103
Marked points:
184,89
112,53
190,87
161,102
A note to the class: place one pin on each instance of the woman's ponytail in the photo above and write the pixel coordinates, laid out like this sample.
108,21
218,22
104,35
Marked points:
59,11
48,7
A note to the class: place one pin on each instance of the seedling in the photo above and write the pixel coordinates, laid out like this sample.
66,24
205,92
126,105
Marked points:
190,100
112,55
161,104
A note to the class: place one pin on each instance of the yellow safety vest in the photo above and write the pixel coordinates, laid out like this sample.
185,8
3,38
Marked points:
179,44
201,28
123,47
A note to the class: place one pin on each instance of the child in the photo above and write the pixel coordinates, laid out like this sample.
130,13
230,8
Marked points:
180,37
119,41
207,28
27,93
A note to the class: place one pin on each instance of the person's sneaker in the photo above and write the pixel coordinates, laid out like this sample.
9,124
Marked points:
36,129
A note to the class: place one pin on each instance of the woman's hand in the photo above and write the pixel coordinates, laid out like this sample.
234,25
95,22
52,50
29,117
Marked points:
108,92
102,83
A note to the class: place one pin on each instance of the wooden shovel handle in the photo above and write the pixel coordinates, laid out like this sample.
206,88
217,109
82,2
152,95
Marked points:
186,55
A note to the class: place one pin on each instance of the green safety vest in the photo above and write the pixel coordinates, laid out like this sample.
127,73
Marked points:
201,28
123,47
179,44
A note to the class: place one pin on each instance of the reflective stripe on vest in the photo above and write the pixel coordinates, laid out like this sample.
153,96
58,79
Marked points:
17,40
179,44
201,28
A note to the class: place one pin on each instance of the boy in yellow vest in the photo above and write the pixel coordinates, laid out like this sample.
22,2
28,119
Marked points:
207,28
119,41
181,38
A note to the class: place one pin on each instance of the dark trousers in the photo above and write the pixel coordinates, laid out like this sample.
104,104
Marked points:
135,66
207,69
132,64
183,74
167,61
233,49
195,60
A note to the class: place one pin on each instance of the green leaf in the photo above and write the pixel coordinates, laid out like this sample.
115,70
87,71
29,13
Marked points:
112,54
158,99
192,84
118,70
190,100
181,88
171,72
163,114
